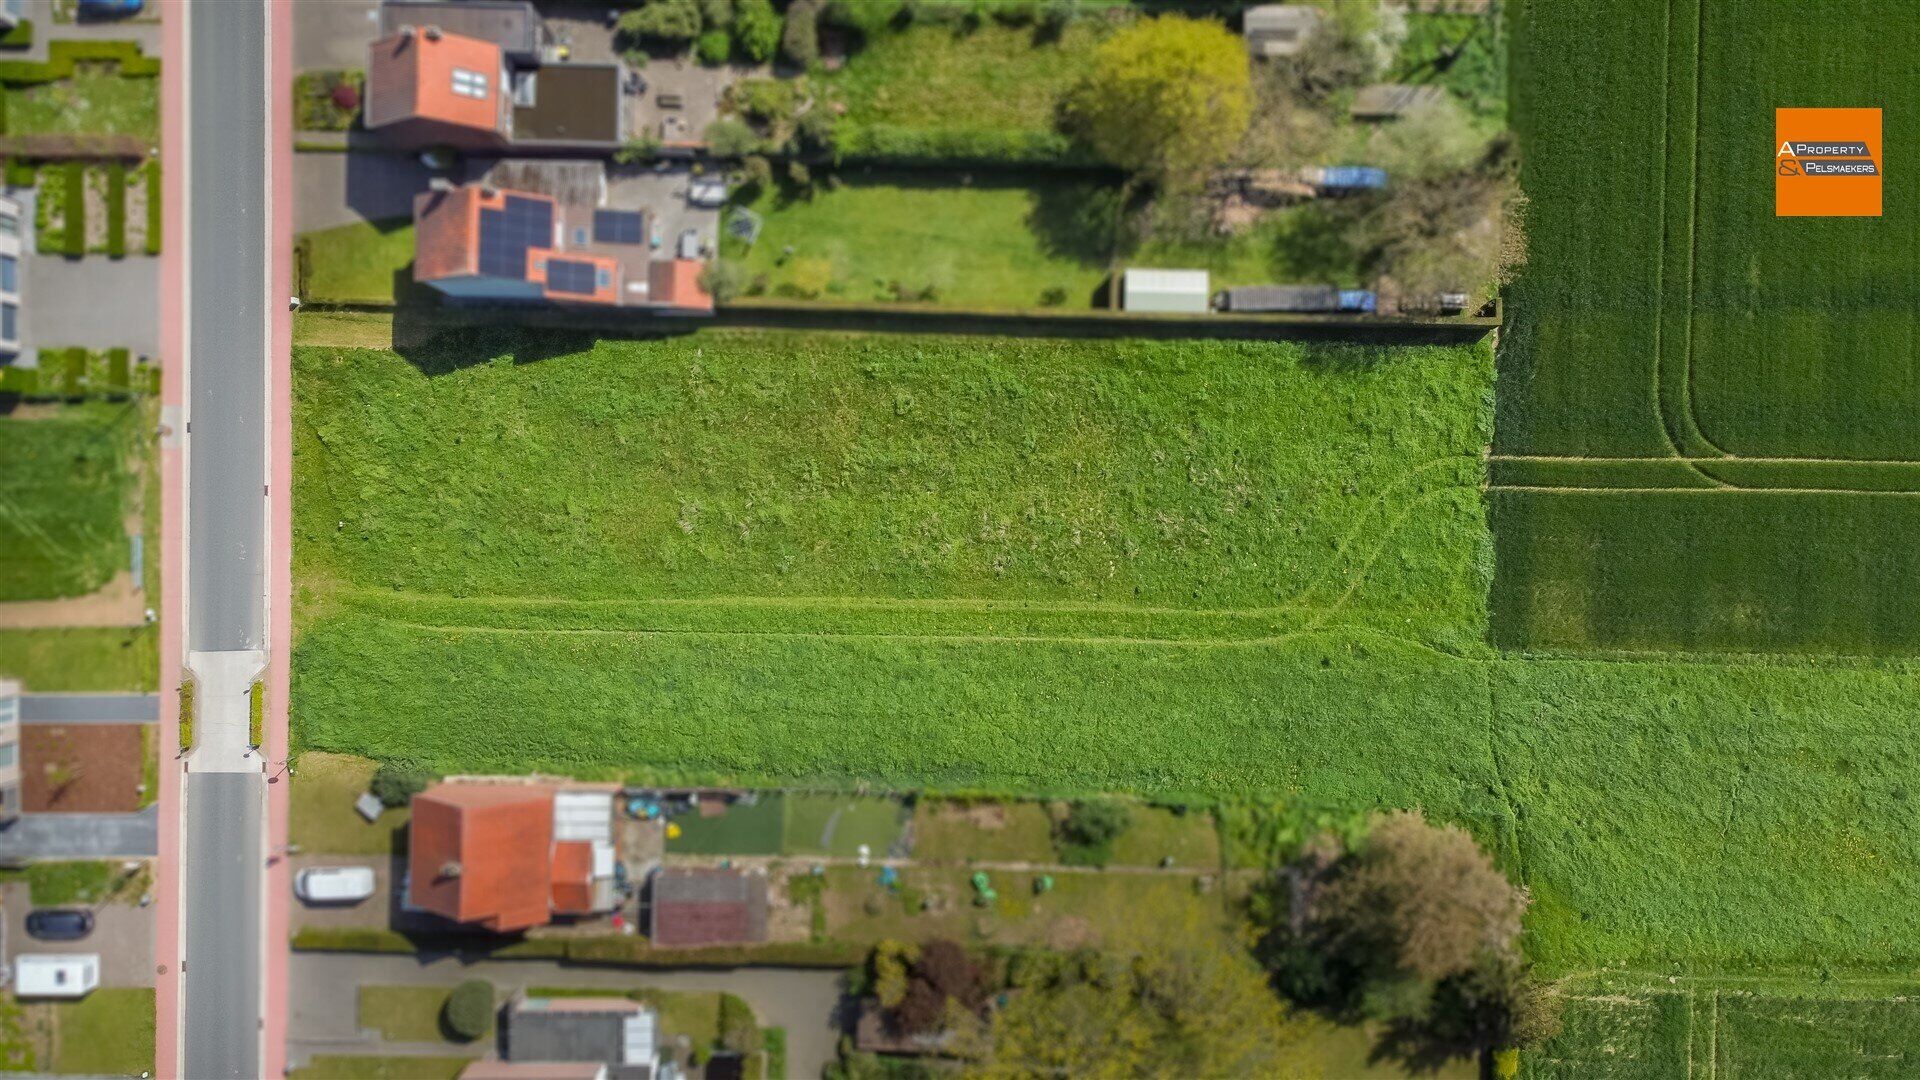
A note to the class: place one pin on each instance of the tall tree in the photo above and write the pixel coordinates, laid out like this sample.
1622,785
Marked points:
1166,99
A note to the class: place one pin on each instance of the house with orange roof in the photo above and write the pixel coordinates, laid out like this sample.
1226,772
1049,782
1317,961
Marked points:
431,86
481,243
508,856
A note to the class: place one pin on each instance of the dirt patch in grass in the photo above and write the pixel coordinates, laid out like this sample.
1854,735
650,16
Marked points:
74,768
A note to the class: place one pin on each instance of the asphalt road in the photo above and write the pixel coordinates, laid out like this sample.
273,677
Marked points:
223,926
227,307
89,708
227,274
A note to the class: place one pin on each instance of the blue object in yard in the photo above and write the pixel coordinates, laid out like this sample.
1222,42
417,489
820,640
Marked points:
1356,300
1353,177
109,9
889,877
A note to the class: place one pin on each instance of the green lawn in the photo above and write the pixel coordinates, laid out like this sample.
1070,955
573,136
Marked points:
363,263
95,100
409,1013
1005,831
107,1033
323,818
742,830
75,659
1753,373
66,884
936,80
997,242
65,483
840,824
1304,244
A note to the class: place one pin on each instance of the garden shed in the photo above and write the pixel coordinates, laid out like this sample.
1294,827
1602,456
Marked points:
1183,291
1278,29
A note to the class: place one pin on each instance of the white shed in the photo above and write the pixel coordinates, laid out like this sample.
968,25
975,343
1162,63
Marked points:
1183,291
1279,29
55,975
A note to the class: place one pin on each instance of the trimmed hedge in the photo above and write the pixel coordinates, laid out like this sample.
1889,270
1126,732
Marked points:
469,1009
20,171
74,239
256,712
20,36
62,55
79,374
186,714
116,209
894,144
154,206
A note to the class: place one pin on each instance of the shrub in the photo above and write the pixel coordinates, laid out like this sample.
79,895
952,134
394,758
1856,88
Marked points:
895,144
800,38
73,381
715,47
117,209
75,244
1087,833
730,137
867,17
62,55
798,174
1053,296
756,30
672,21
816,129
22,173
723,280
642,148
326,100
19,37
944,973
756,174
469,1009
186,714
119,371
154,206
739,1031
256,713
396,785
768,101
716,14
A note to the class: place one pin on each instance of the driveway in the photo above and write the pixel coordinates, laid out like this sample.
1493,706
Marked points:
333,33
81,836
325,1000
664,192
122,935
94,302
89,708
333,188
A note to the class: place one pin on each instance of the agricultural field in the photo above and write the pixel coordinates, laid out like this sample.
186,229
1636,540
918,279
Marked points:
1707,437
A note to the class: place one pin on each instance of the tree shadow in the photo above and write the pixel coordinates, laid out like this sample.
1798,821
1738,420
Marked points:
441,339
1075,220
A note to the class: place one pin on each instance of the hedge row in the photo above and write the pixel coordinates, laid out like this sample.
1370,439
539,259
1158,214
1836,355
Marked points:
76,374
19,37
116,209
894,144
155,206
611,949
74,239
62,55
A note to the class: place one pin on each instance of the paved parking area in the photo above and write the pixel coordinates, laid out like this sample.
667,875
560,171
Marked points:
122,935
333,33
82,836
664,192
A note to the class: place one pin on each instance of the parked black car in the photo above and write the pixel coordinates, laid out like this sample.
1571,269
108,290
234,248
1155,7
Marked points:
59,924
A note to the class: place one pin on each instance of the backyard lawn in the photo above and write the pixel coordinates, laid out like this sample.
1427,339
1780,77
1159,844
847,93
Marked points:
70,659
996,242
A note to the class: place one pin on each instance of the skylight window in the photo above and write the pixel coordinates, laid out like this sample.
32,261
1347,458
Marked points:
469,83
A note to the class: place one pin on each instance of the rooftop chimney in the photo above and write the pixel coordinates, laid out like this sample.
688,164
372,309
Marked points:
440,183
432,33
449,869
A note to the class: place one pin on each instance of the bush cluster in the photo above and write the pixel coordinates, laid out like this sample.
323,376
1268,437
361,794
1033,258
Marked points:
469,1009
62,55
897,145
396,785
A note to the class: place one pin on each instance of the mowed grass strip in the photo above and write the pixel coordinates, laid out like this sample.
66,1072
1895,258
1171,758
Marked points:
1215,476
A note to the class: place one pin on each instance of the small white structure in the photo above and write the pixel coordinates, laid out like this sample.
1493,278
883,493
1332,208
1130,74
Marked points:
55,975
1179,291
1275,30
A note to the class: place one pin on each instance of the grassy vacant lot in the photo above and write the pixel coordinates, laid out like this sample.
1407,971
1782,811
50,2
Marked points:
1012,831
64,484
992,243
107,1033
96,100
362,263
992,78
1763,364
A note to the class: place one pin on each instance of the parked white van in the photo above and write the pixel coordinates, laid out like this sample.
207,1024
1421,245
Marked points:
334,884
55,975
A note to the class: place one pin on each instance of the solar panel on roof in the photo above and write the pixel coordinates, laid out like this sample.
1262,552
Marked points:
617,227
507,233
570,276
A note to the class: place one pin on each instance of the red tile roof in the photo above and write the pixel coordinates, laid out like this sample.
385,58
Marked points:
446,227
411,77
481,853
676,283
573,877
